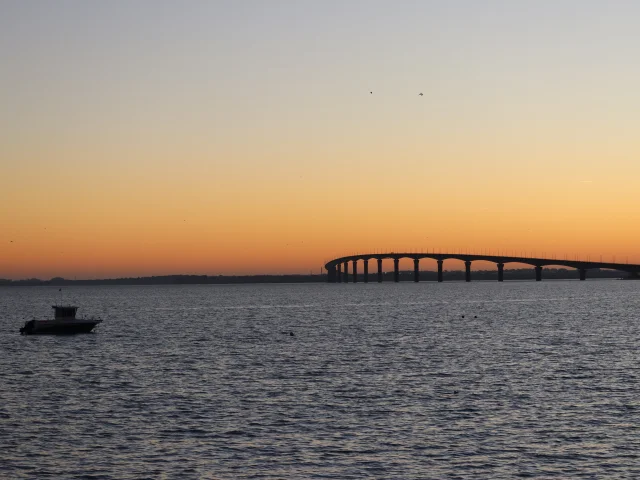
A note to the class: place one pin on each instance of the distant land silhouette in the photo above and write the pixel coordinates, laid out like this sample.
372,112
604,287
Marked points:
429,276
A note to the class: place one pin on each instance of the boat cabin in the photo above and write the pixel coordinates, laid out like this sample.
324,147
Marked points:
64,311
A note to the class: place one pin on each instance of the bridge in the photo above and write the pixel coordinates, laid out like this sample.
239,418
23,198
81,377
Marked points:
338,269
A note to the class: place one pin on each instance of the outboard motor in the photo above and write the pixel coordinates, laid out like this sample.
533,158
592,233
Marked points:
28,327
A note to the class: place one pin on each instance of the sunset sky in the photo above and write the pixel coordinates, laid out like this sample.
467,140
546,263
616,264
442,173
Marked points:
233,137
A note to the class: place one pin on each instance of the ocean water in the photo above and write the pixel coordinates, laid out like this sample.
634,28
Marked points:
392,381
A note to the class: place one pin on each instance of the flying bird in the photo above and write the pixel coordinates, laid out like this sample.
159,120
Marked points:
371,93
420,94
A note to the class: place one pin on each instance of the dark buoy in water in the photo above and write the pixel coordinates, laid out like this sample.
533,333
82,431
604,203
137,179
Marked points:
291,334
475,316
462,316
455,392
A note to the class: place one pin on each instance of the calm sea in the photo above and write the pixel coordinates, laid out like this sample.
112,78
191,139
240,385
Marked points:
470,381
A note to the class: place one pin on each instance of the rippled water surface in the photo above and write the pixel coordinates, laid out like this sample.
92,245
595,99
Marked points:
454,380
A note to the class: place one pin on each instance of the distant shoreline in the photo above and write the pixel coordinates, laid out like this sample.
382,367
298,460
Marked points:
427,276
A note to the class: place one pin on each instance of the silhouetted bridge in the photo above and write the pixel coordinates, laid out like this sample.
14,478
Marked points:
338,269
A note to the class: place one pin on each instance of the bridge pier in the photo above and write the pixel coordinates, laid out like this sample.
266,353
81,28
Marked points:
355,271
416,270
379,270
366,270
346,272
440,262
538,273
467,273
396,270
331,274
339,267
583,274
501,272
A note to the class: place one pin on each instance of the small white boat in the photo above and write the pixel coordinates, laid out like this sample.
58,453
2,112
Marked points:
64,322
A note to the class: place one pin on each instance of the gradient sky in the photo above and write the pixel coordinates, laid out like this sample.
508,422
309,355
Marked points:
219,137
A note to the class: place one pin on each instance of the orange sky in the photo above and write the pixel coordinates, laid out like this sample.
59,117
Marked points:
124,152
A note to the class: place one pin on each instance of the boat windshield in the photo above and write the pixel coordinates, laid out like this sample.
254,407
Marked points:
65,311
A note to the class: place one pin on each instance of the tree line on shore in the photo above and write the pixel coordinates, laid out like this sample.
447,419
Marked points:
405,275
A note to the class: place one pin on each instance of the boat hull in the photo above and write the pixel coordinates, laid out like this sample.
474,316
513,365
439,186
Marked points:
54,327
